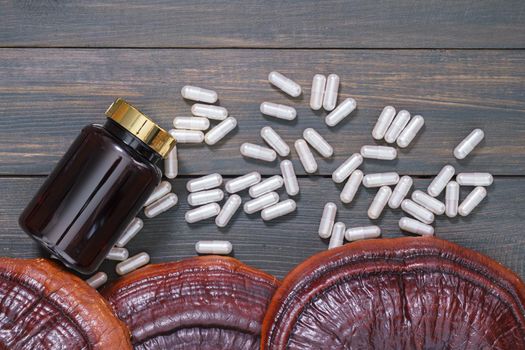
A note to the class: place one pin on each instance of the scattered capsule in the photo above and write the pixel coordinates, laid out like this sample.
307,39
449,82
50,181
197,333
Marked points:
441,180
318,142
161,205
306,156
469,143
344,170
187,136
198,94
397,126
117,254
261,202
359,233
351,187
228,210
379,152
473,199
132,263
131,231
409,133
474,179
213,247
254,151
97,280
279,209
400,191
191,123
337,236
422,214
204,182
205,197
327,220
383,122
429,202
380,179
278,111
270,184
289,177
379,202
242,182
162,189
317,93
171,164
202,213
330,94
209,111
452,199
341,112
219,131
285,84
414,226
272,138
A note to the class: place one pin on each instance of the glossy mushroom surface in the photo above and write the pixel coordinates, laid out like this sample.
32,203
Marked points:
207,302
43,306
403,293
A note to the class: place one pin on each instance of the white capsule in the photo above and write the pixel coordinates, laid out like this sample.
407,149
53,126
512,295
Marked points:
306,156
254,151
209,111
204,183
337,236
171,164
474,179
187,136
359,233
219,131
379,152
380,179
270,184
416,227
275,141
205,197
473,199
162,189
400,191
469,143
285,84
327,220
191,123
318,142
278,111
383,122
441,180
422,214
198,94
279,209
131,231
202,213
351,187
213,247
410,131
429,202
228,210
330,94
379,202
161,205
317,92
261,202
242,182
132,263
452,199
399,123
344,170
341,112
97,280
290,180
117,254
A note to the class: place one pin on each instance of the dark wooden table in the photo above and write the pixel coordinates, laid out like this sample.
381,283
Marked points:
459,63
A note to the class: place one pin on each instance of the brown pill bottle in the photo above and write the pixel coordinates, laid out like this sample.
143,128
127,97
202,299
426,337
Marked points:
98,187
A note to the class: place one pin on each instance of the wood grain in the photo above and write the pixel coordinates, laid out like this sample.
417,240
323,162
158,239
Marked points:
48,95
252,23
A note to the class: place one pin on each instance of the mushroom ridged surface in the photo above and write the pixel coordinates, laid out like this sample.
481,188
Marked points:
43,306
207,302
402,293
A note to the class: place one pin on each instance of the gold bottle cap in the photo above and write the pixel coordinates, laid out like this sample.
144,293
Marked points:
141,126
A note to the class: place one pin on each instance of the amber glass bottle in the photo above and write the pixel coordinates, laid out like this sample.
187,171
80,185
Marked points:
98,187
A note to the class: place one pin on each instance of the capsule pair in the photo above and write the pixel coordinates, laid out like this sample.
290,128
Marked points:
324,92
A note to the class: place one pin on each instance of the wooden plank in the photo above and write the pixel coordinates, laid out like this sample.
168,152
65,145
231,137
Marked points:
252,23
48,95
494,229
